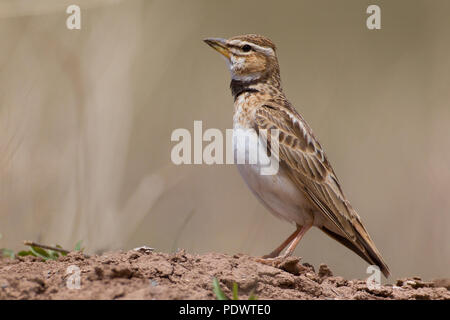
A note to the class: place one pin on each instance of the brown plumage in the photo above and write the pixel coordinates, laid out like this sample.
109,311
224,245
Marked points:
306,190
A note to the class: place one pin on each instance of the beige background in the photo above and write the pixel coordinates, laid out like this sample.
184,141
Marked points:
86,118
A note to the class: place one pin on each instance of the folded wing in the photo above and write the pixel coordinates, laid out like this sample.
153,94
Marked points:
307,165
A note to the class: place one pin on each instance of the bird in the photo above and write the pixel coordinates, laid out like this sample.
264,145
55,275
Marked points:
305,190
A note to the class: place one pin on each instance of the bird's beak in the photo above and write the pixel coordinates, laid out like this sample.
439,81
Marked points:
219,45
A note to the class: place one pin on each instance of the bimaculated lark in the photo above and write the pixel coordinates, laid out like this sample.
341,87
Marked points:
305,189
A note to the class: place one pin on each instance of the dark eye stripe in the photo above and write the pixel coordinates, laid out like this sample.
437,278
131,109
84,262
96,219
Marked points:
234,46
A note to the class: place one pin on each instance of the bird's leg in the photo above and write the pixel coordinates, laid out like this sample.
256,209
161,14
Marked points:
296,240
275,253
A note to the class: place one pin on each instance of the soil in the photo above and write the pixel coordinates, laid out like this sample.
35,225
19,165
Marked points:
143,274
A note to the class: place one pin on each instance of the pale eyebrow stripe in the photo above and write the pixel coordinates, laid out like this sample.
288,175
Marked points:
239,44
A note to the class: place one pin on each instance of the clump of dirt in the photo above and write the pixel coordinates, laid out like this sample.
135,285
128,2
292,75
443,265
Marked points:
143,274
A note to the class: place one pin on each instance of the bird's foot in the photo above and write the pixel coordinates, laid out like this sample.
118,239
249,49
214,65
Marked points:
271,261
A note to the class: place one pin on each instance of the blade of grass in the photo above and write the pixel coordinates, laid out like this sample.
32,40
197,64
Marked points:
39,252
235,291
78,246
218,291
252,296
24,253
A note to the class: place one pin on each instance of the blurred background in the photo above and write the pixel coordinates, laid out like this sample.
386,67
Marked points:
86,118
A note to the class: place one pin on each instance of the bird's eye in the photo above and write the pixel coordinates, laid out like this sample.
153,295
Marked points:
246,48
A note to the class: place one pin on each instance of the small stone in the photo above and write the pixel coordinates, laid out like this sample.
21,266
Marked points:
144,249
324,271
133,256
309,266
291,265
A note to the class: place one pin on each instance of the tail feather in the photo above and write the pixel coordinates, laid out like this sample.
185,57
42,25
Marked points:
365,248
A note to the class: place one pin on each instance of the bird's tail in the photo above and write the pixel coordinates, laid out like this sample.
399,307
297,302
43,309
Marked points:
363,246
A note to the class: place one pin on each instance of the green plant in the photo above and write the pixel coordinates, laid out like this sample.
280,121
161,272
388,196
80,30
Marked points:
46,254
39,250
78,246
220,295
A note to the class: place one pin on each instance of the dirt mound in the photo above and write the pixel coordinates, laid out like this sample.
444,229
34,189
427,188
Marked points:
153,275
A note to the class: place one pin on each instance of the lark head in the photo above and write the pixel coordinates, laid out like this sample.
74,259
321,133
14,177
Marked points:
249,57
